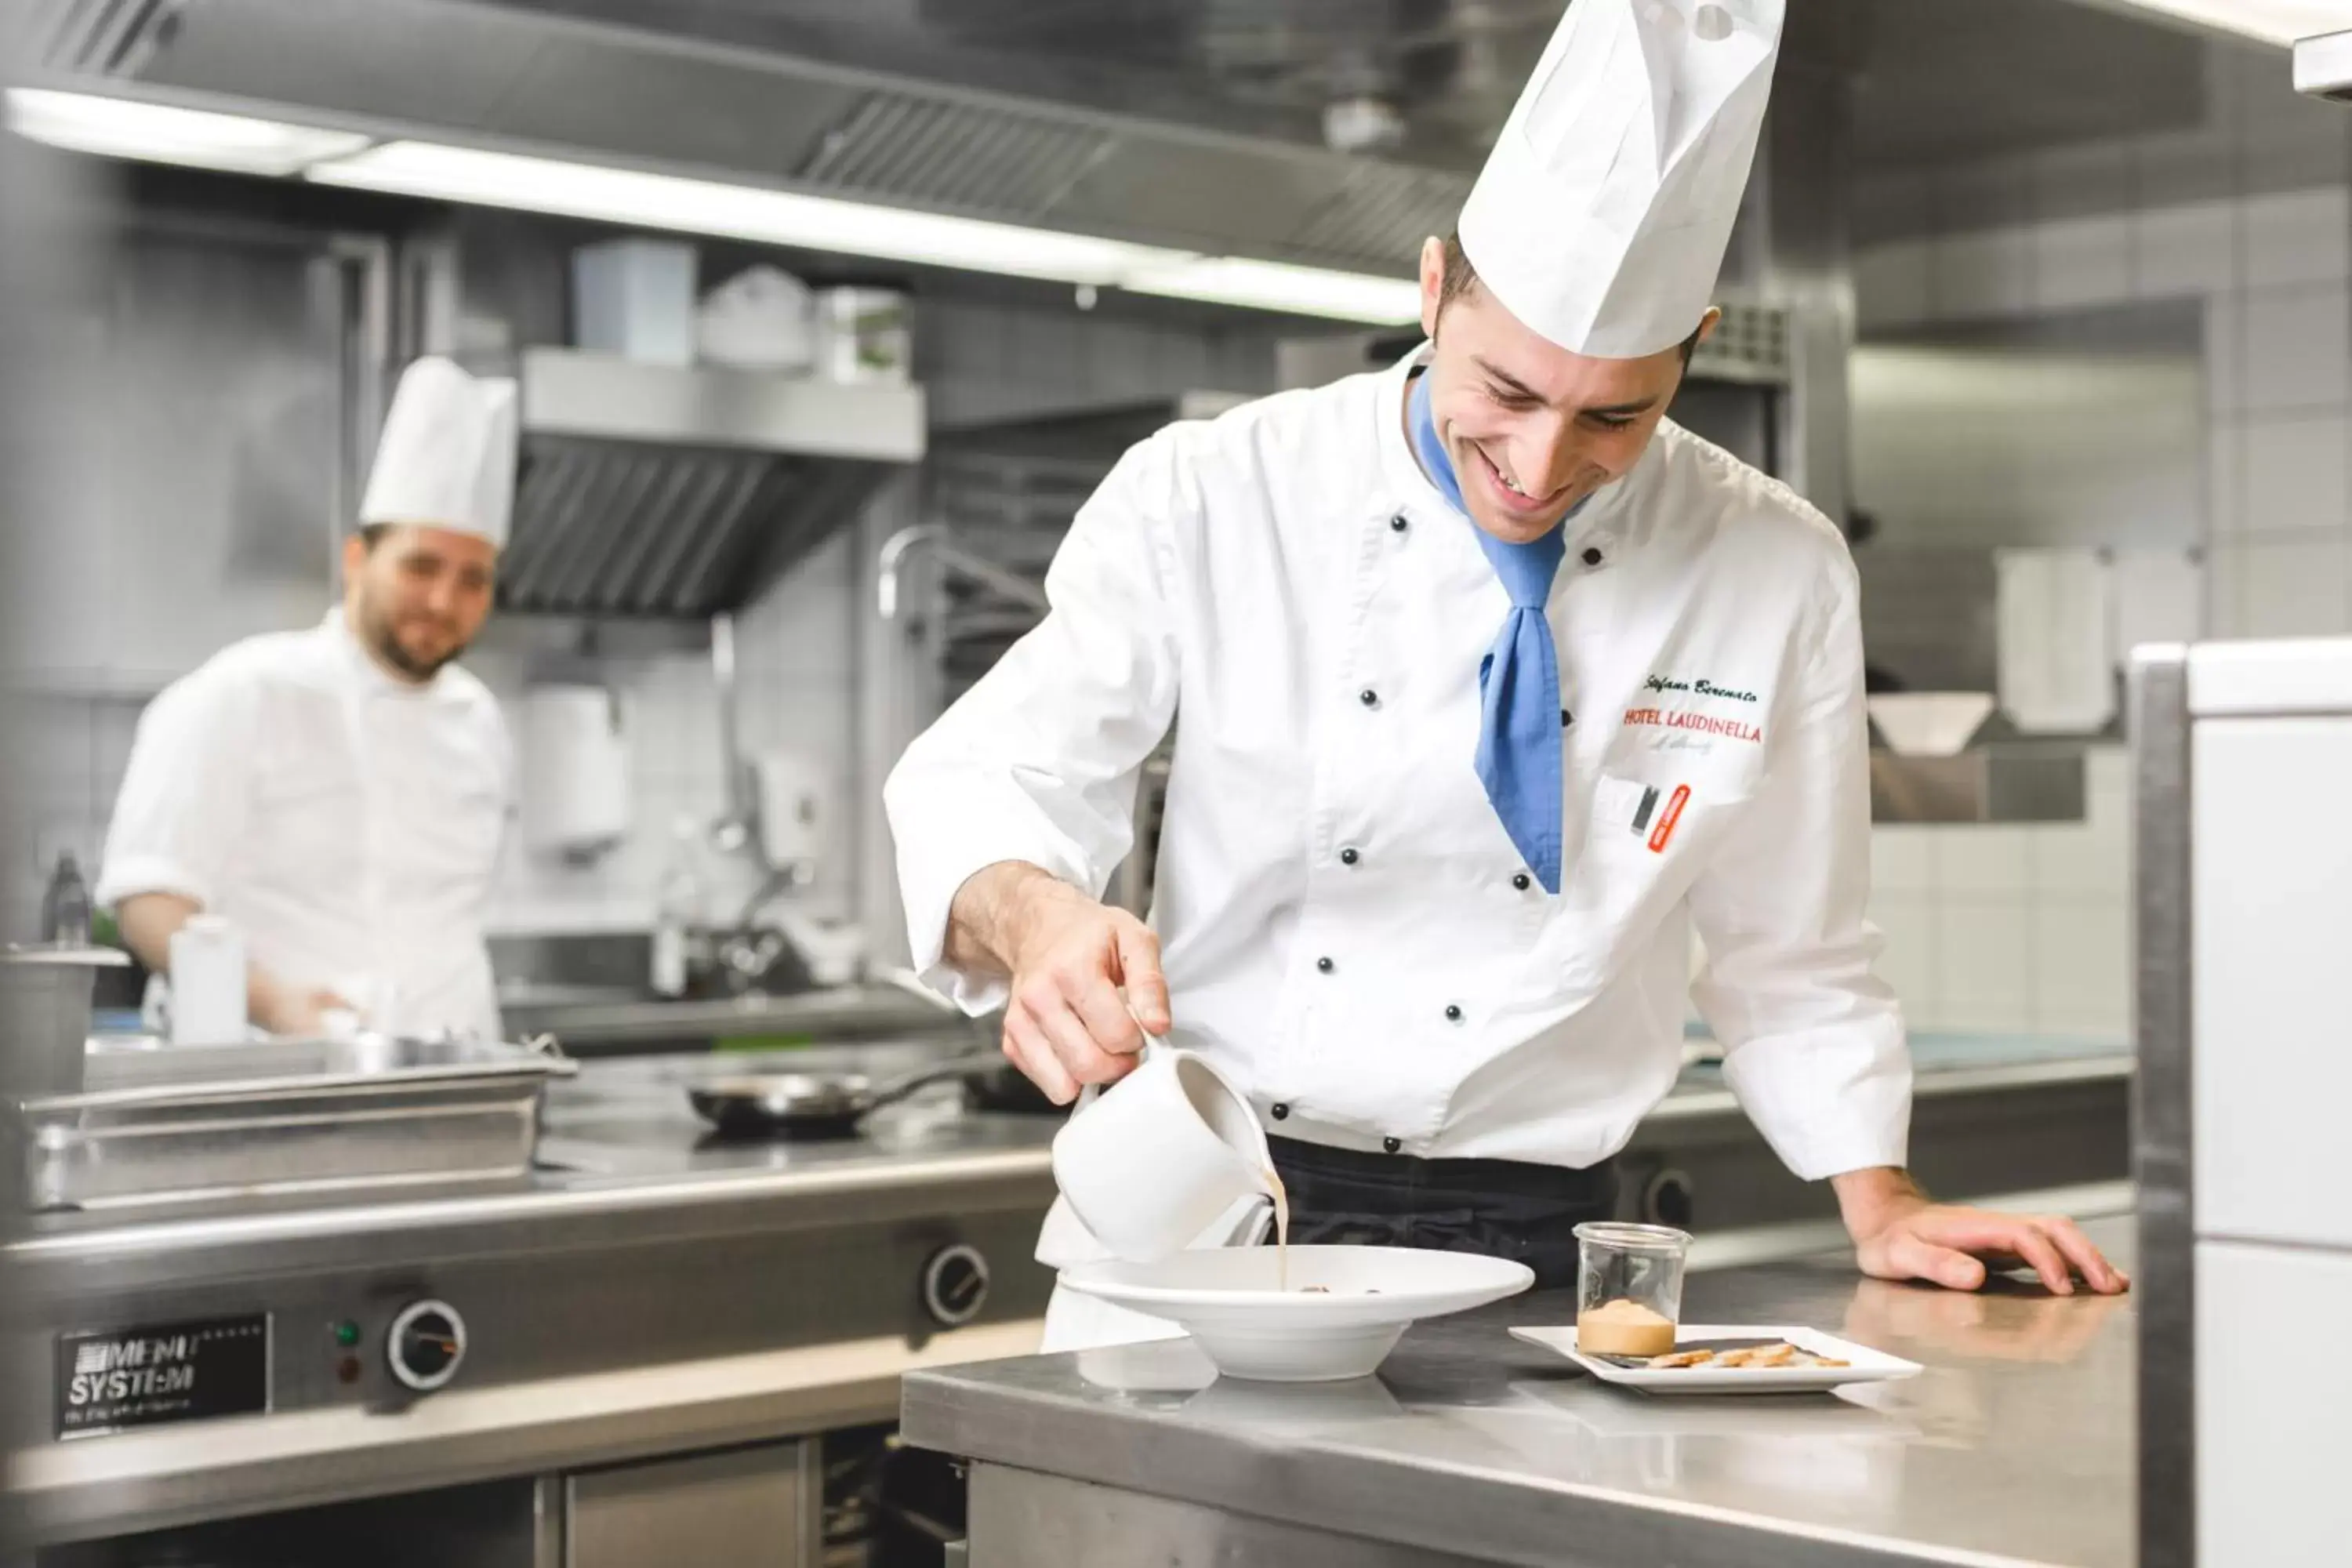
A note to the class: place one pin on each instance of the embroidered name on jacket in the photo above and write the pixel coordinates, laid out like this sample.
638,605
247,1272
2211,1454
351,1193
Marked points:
1705,724
1702,686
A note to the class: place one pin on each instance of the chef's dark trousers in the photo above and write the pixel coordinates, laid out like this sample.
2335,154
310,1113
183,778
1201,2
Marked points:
1504,1209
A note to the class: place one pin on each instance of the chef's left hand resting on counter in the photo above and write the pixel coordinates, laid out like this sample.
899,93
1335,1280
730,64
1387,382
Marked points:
1489,687
340,793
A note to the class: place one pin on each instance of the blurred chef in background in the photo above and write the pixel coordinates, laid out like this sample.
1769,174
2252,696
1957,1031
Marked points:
340,793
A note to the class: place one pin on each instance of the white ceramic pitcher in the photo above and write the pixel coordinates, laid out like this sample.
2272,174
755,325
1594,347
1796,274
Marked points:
1152,1163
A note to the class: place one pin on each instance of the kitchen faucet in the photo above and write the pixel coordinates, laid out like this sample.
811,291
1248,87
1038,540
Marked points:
954,558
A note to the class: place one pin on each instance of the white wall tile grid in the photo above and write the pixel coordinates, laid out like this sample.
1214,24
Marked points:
2252,216
2012,929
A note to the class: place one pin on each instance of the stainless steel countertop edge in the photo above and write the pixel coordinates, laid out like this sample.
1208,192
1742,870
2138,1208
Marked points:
1520,1522
180,1252
1933,1083
867,1013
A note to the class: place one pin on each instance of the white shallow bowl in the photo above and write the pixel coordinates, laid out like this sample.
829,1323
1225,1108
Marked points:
1867,1366
1930,723
1225,1298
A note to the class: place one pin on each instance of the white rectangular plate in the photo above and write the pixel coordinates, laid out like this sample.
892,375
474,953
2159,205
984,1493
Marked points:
1868,1365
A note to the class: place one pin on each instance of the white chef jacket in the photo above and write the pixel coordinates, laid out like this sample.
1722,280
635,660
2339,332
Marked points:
1285,586
348,822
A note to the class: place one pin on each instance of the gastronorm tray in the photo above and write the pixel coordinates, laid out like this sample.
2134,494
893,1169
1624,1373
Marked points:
179,1124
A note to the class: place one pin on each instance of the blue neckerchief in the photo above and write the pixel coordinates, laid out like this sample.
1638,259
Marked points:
1518,757
1435,461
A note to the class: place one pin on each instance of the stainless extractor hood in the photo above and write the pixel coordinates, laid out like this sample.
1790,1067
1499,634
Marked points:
2323,67
648,490
741,91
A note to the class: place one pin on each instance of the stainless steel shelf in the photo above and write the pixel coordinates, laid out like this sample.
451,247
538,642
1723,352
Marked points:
682,490
837,1013
1986,784
603,397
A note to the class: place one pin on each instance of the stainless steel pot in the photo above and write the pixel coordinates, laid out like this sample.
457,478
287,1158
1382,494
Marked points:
45,1008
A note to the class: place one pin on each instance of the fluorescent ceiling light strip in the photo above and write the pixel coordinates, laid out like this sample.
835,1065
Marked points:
2279,22
155,132
124,128
1280,285
742,212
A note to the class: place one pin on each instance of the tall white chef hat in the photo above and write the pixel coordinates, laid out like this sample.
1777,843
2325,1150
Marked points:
446,458
1602,217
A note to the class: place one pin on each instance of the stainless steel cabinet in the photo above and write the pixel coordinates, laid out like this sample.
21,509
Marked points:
757,1507
489,1524
740,1507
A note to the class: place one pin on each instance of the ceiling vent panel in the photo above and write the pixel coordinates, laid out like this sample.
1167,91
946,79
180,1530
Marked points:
662,94
89,37
1212,197
1383,210
941,152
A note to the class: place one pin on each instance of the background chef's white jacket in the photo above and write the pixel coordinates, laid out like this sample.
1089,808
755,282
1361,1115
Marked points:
350,822
1284,585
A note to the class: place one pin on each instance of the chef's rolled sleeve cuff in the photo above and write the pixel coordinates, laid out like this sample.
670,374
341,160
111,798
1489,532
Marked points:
127,876
1829,1101
933,873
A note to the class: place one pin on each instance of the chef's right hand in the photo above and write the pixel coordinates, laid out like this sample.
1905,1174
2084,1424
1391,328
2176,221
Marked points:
1067,1023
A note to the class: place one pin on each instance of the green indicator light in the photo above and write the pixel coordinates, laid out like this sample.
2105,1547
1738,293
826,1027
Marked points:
347,1333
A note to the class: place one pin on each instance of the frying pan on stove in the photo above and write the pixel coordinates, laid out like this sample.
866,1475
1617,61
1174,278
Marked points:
812,1104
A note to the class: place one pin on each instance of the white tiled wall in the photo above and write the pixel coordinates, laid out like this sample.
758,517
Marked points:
2200,217
793,651
2249,215
2011,928
69,755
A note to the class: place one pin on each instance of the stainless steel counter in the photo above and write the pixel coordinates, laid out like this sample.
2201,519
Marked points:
650,1289
2015,1447
623,1160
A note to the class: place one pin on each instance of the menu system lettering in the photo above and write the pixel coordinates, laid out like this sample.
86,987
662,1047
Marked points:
112,1380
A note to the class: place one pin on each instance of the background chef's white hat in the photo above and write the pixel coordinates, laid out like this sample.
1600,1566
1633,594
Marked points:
1602,217
446,458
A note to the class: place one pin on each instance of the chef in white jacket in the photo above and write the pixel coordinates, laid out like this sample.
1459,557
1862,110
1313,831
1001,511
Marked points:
1489,685
341,793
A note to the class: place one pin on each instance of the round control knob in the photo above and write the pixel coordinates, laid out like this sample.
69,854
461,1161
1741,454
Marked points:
425,1344
955,1284
1667,1199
